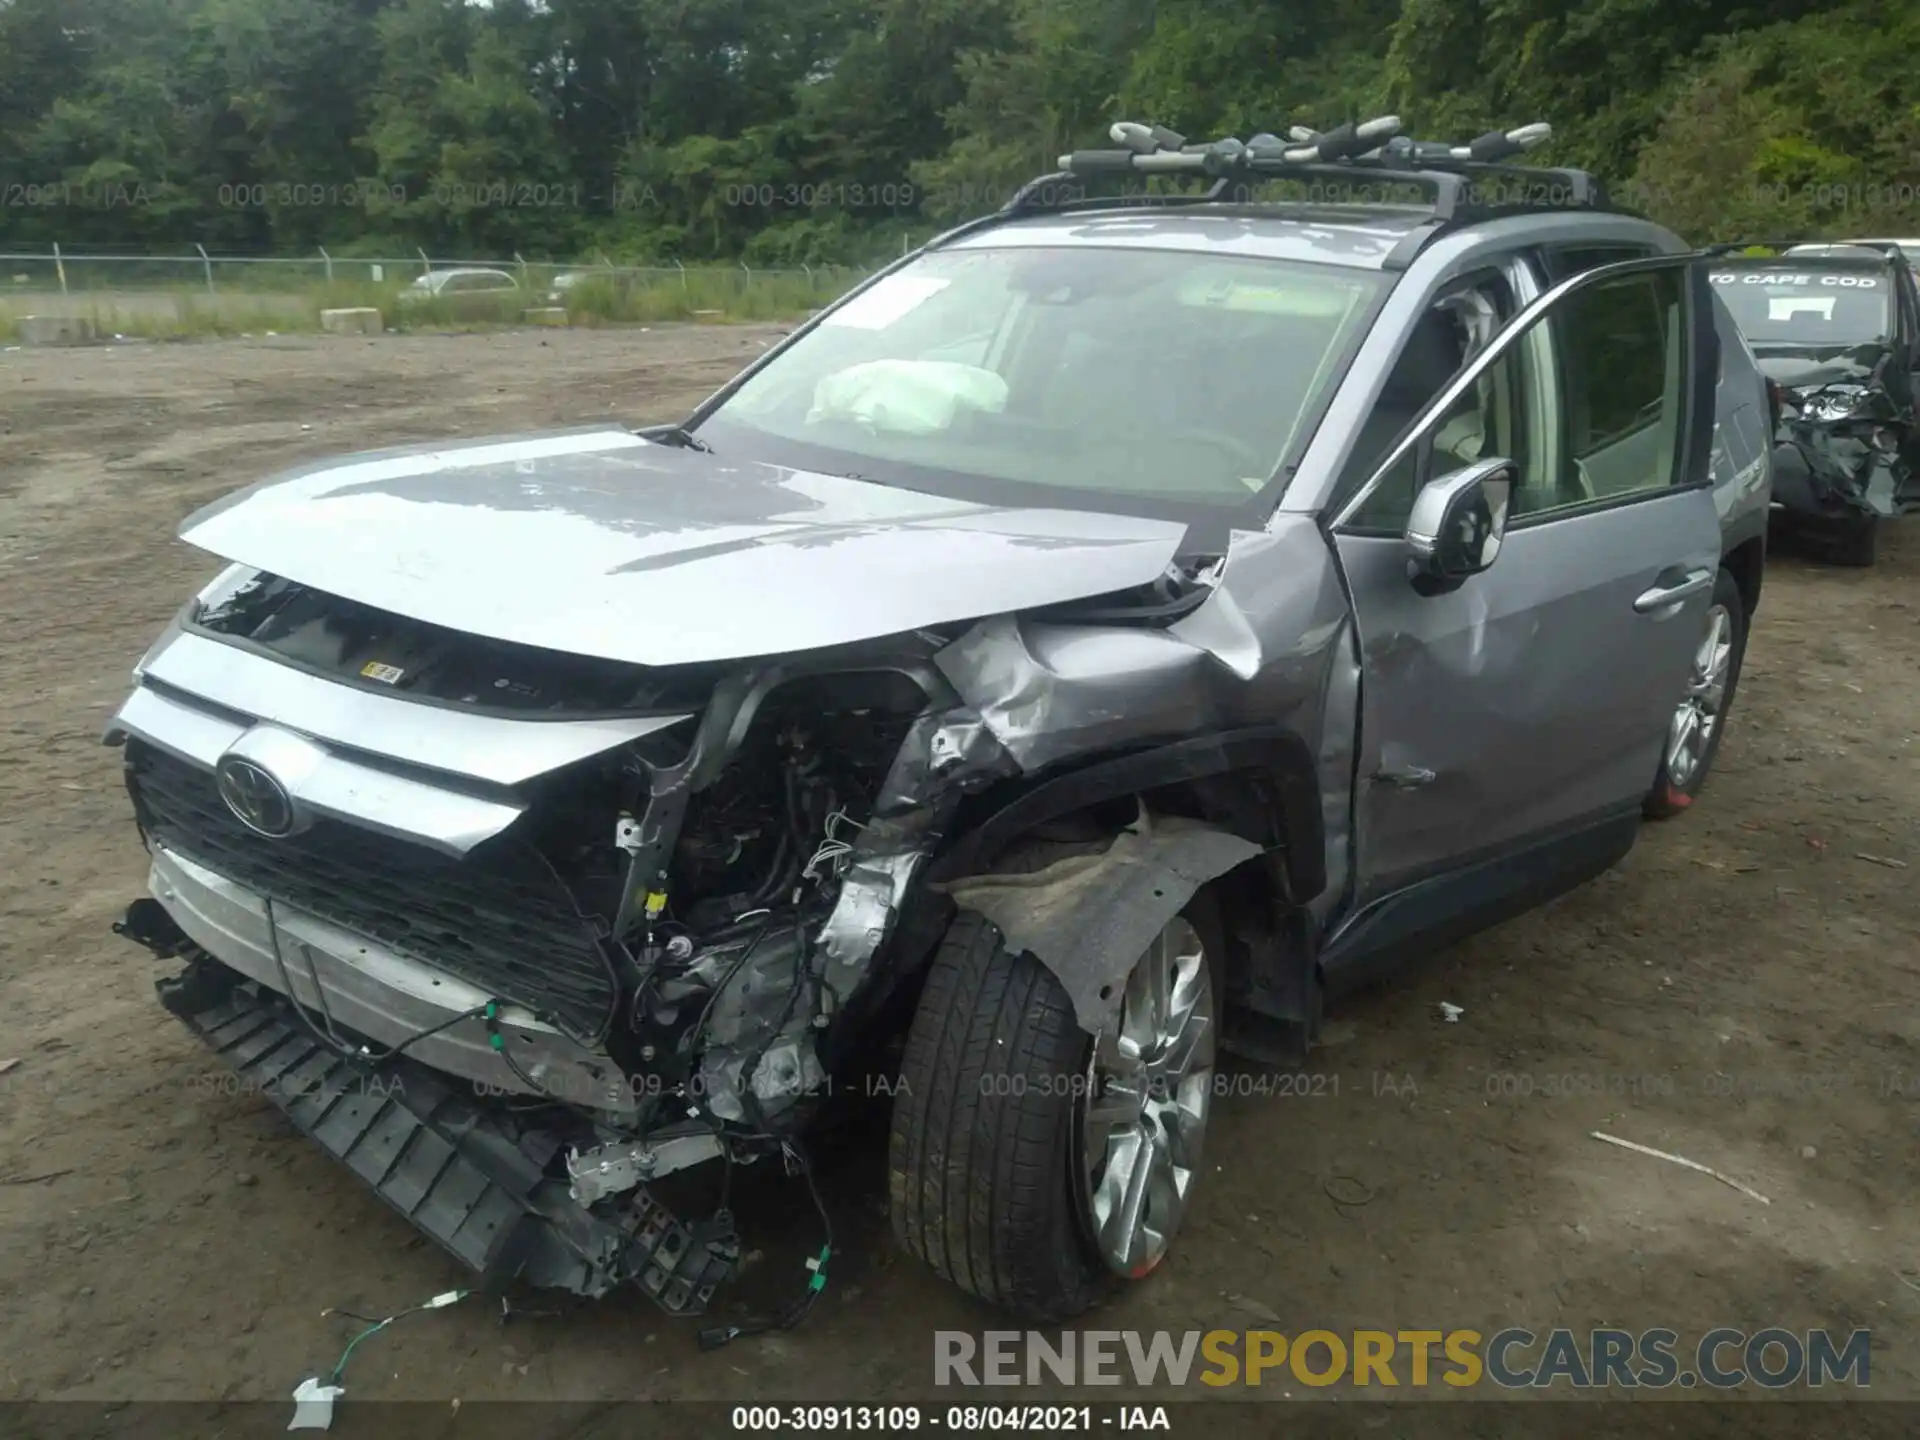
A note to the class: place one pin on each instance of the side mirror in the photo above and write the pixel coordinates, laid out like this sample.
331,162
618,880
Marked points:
1458,523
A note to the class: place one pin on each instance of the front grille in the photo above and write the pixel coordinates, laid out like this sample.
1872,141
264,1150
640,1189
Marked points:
499,918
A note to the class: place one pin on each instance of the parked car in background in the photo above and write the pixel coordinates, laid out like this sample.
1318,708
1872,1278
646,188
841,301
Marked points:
466,291
1909,248
1836,328
557,292
1065,659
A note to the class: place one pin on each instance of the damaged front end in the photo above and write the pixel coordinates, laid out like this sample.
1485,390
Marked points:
517,934
567,925
1843,448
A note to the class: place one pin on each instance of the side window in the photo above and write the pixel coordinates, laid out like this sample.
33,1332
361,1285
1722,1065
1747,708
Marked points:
1488,420
1577,260
1620,356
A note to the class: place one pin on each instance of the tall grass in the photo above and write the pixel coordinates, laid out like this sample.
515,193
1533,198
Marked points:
189,312
701,295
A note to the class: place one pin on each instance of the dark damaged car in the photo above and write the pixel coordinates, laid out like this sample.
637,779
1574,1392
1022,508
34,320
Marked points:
1836,329
1073,656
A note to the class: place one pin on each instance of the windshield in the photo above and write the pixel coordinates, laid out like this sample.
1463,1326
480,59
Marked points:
1157,374
1784,306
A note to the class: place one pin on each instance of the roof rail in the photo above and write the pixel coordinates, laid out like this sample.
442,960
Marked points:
1371,151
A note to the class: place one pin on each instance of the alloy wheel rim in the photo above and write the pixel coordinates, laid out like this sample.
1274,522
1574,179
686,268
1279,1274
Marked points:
1144,1113
1695,722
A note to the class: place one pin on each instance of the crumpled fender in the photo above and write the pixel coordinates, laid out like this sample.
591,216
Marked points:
1088,918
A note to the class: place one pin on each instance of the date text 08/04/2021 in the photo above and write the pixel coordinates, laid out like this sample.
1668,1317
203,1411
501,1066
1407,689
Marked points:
950,1419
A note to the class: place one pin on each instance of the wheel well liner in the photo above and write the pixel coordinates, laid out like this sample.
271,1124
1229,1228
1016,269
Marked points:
1277,754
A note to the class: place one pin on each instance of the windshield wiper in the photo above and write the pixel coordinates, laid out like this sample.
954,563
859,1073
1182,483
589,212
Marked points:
679,436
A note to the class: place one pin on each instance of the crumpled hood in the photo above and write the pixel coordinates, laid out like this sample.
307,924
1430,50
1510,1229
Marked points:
1804,370
603,543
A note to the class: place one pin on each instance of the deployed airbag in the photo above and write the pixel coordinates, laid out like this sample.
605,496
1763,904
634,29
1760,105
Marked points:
911,397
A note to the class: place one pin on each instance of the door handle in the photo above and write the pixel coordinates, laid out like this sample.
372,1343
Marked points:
1410,777
1665,597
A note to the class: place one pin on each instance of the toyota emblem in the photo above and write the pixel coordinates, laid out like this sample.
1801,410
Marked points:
257,800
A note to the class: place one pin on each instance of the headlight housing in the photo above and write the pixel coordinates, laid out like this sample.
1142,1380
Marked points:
1832,405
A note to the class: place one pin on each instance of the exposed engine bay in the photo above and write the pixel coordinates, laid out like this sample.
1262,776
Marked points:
703,859
693,909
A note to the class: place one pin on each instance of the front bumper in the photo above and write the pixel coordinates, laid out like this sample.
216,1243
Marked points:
376,991
468,1175
1811,488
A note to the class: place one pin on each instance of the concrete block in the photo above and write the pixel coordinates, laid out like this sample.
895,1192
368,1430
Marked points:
547,315
55,329
359,320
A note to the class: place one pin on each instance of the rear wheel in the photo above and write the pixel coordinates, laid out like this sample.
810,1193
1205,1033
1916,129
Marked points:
1693,735
1035,1166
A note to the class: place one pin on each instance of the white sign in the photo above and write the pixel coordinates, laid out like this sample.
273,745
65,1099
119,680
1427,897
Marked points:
1785,307
1771,277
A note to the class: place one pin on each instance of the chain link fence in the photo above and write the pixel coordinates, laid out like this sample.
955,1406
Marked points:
179,293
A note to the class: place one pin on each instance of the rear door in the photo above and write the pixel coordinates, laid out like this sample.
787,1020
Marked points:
1512,727
457,294
479,294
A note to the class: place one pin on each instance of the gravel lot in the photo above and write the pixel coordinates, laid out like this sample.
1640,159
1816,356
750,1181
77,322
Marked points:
1741,990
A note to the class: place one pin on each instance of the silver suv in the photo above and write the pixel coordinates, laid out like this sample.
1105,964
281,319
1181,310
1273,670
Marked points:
1074,655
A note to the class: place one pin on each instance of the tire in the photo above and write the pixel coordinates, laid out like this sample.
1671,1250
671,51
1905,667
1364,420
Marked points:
983,1183
1673,792
1855,543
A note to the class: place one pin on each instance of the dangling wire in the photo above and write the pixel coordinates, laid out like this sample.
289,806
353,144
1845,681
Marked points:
330,1040
832,850
716,1336
438,1302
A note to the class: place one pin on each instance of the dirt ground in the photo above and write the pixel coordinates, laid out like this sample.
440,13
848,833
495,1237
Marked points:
1742,990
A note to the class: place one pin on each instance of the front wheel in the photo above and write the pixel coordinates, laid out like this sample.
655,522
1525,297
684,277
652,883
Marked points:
1035,1166
1693,735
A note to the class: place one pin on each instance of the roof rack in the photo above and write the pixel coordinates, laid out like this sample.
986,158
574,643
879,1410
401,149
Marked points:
1371,151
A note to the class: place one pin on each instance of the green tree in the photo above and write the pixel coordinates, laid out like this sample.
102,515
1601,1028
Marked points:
806,130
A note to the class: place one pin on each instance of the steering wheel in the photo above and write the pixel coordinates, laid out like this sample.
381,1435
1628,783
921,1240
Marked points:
1244,456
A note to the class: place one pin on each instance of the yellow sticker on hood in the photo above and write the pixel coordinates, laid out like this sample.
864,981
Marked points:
385,674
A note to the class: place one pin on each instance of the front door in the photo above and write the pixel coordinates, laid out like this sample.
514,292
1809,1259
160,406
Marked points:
1903,381
1511,727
